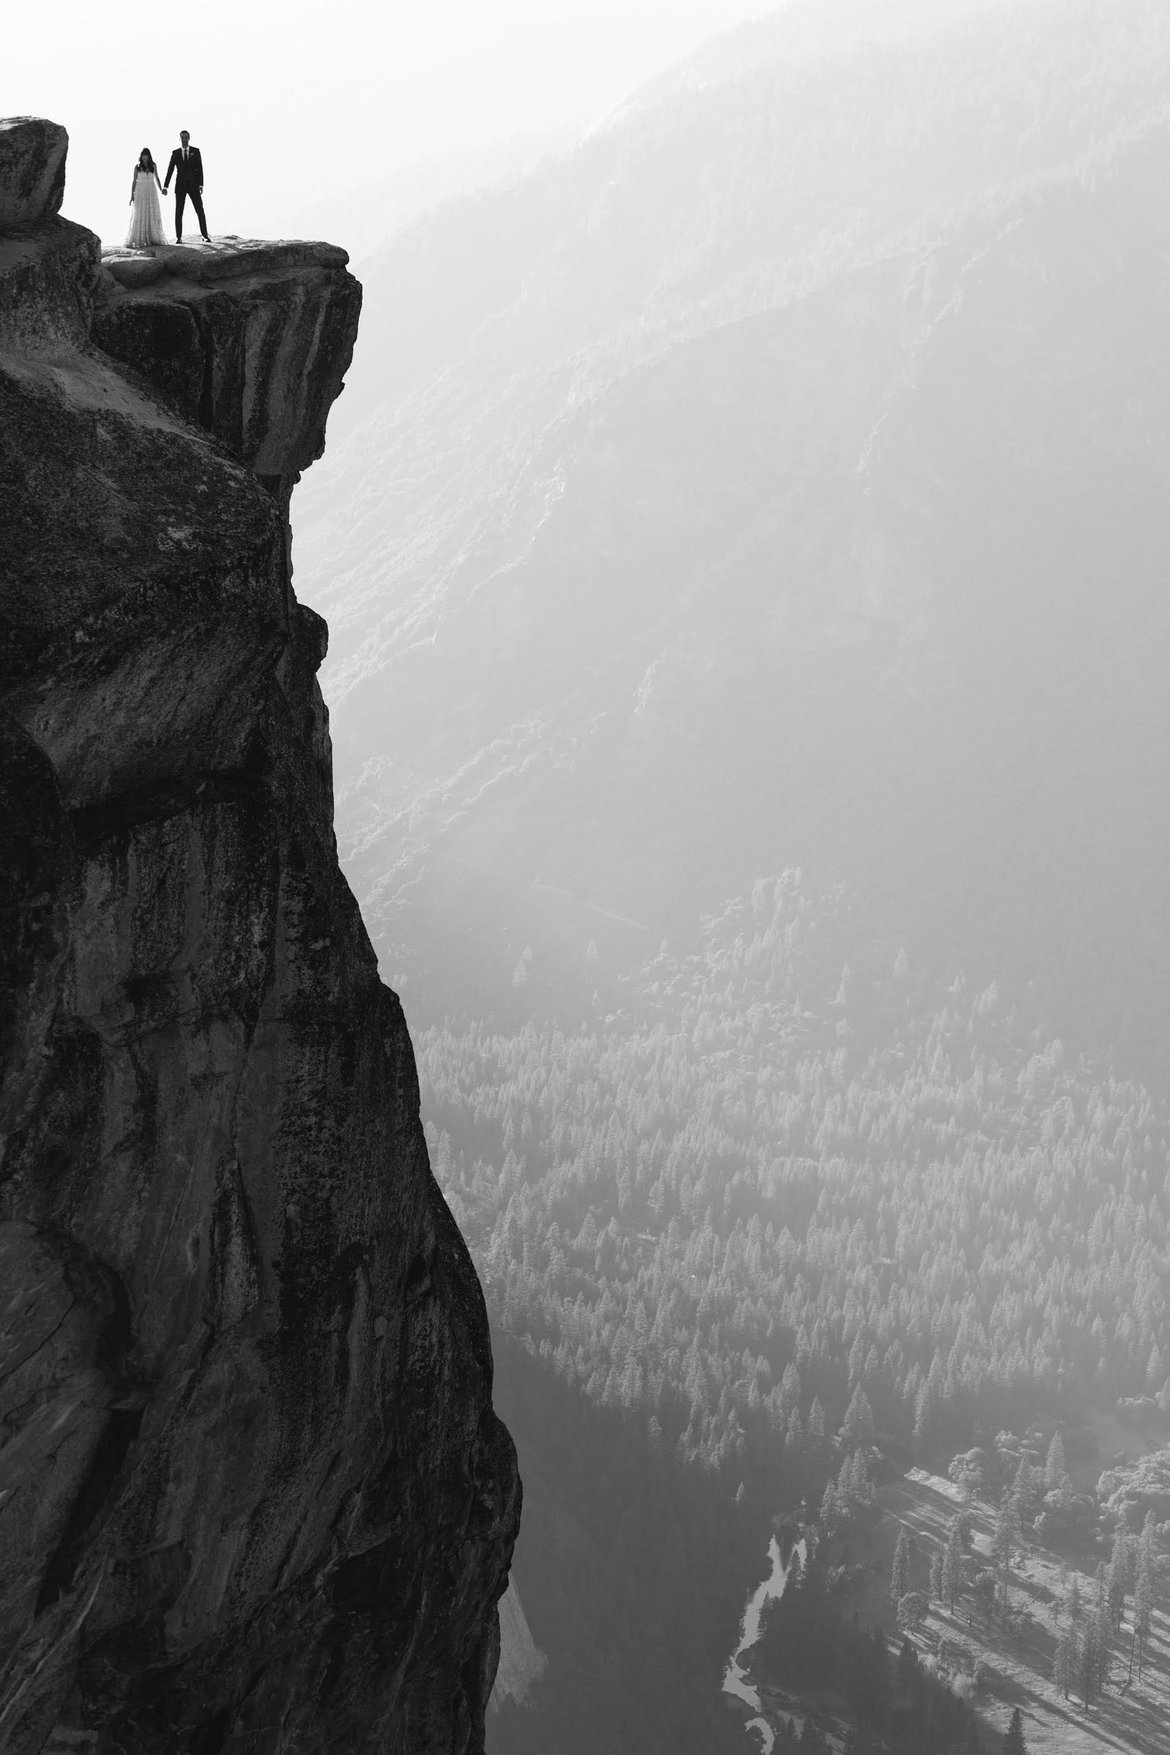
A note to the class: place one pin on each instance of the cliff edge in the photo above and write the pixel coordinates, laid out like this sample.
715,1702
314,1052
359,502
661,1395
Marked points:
253,1496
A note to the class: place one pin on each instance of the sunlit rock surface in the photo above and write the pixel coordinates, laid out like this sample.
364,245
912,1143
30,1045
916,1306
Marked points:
252,1491
522,1663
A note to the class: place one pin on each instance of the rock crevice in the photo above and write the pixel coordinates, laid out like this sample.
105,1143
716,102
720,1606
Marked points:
252,1492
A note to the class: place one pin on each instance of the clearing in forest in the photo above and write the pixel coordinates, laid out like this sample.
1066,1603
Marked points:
1004,1672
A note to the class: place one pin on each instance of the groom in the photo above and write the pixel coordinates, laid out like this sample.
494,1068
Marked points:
186,167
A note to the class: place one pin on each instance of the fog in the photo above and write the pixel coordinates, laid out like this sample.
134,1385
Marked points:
768,550
743,539
293,103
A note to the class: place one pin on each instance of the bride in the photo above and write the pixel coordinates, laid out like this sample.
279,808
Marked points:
145,219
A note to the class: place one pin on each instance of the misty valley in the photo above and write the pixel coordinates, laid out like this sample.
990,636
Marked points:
609,1056
797,1228
745,552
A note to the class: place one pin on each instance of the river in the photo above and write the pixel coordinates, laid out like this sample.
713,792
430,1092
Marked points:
734,1680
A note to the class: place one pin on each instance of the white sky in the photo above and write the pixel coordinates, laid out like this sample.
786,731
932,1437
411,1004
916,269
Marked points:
287,102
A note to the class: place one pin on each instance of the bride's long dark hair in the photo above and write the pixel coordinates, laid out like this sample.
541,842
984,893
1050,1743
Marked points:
145,162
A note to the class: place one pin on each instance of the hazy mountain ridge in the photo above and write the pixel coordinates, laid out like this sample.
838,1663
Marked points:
776,480
672,201
828,511
369,214
602,519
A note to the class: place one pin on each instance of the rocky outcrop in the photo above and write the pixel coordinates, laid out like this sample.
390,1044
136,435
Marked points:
253,1495
251,340
32,171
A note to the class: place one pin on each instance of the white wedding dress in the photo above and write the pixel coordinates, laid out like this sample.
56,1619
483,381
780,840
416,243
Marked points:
146,227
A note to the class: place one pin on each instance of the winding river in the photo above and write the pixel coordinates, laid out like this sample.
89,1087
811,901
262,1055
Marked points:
734,1680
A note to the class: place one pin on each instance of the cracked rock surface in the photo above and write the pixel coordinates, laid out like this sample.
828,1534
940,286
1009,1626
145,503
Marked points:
253,1495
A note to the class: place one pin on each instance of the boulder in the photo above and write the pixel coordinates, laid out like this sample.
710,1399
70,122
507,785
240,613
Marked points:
133,267
32,171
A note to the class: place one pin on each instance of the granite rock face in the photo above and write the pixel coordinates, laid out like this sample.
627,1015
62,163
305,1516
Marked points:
250,340
253,1495
32,170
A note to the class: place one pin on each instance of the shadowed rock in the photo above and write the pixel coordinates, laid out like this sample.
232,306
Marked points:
252,1492
251,340
32,170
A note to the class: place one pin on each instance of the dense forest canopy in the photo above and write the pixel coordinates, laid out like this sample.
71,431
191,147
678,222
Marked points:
771,1216
771,1180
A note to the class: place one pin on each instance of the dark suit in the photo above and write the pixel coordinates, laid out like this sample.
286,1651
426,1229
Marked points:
188,174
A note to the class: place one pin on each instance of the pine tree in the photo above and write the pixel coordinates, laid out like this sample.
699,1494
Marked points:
925,1416
1055,1468
1088,1663
794,1436
1093,1656
1105,1630
1101,1622
1023,1487
858,1426
1120,1572
900,1573
1013,1738
1147,1547
1004,1542
847,1482
1075,1606
952,1565
1064,1661
1143,1596
936,1575
789,1391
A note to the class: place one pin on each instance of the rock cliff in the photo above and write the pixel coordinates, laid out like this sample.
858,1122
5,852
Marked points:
253,1495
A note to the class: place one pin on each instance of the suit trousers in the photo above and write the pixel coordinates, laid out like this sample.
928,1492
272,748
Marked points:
181,195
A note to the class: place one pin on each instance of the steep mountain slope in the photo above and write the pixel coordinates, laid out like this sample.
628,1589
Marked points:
786,461
253,1495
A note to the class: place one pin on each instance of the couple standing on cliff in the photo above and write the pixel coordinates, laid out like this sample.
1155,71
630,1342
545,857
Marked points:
186,167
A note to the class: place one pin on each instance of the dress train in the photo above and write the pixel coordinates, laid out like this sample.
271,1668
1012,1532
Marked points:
146,227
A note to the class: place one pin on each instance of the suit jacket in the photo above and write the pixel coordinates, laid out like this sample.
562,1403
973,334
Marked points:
188,172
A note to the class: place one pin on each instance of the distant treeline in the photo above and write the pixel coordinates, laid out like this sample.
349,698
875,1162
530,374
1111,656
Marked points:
770,1181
